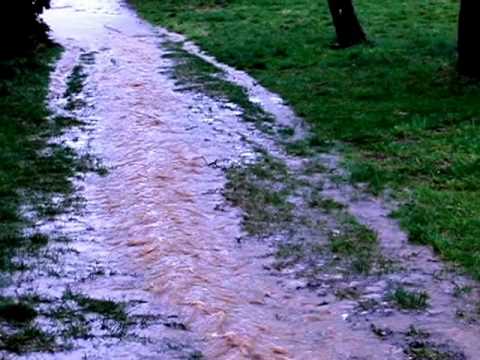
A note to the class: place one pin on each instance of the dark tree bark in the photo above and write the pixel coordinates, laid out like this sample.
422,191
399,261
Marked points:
468,39
348,28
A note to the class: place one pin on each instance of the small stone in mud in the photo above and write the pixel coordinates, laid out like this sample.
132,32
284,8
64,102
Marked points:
347,293
460,314
176,325
381,332
196,355
368,305
416,333
295,284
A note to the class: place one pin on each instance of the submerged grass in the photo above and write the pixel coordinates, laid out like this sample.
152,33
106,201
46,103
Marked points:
261,190
268,193
32,170
14,311
357,243
18,332
72,317
28,339
408,121
35,173
194,73
420,347
107,308
409,300
75,81
35,184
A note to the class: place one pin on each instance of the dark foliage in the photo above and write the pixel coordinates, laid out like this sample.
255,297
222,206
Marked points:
468,52
21,29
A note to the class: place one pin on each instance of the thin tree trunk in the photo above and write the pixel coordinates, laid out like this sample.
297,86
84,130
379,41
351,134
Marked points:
348,28
468,39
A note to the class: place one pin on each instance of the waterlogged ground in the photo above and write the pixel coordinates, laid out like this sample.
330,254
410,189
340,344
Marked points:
199,236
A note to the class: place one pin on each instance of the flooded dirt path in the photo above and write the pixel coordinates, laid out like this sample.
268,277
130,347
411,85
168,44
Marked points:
159,220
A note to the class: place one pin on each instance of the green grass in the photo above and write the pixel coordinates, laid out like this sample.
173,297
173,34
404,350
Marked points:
328,205
28,339
107,308
262,190
18,333
75,81
406,120
73,316
34,170
75,84
357,243
409,300
31,169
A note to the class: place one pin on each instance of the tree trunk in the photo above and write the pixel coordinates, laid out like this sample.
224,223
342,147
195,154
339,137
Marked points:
468,39
348,28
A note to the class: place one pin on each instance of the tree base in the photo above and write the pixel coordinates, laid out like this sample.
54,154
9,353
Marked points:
339,46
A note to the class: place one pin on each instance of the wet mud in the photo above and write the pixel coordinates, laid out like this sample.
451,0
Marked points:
199,237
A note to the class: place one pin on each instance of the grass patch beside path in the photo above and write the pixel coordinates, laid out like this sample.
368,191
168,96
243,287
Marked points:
408,121
31,169
35,177
35,172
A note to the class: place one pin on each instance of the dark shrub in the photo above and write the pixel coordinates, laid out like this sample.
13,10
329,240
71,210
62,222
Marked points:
21,29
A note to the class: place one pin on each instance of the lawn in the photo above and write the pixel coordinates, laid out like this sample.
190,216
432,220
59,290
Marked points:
396,108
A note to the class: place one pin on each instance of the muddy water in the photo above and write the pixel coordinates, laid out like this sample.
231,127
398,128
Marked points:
159,213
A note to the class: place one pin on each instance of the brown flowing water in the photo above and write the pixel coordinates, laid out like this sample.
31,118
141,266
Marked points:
160,213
